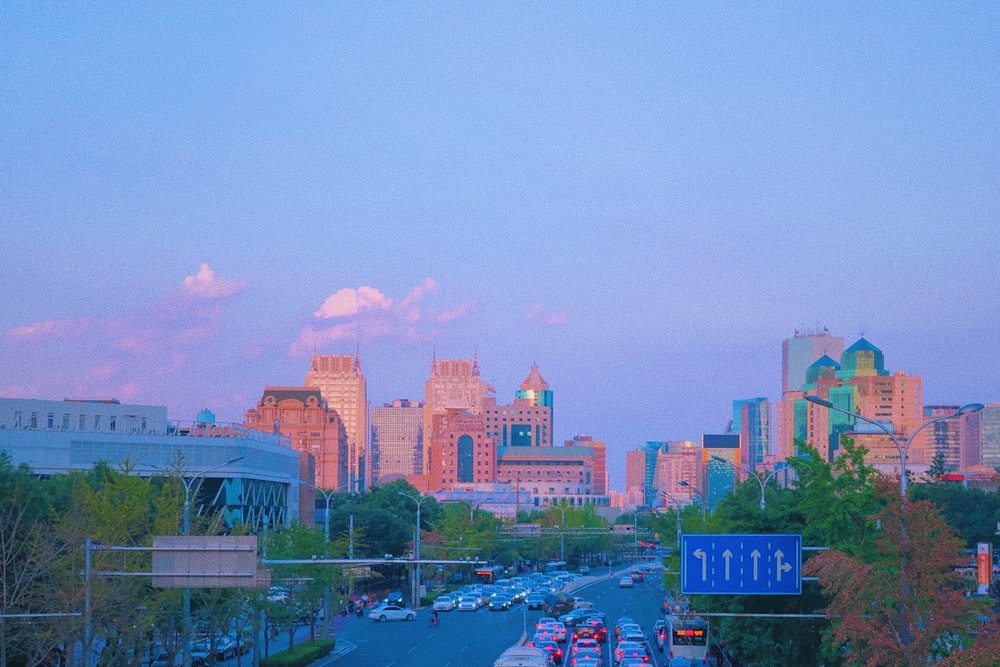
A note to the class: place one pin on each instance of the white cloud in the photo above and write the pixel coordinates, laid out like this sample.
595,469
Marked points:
208,285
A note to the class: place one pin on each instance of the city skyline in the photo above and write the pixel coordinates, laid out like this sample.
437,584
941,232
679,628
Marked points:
642,200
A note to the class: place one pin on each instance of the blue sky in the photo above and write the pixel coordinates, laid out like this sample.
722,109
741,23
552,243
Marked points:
642,198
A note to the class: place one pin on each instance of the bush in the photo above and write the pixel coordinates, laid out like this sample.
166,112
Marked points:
301,654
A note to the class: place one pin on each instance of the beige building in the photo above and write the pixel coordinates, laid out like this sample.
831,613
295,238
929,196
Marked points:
454,384
342,385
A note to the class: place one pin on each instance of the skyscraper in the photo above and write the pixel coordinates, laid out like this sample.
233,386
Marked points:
342,385
396,439
800,351
752,421
454,384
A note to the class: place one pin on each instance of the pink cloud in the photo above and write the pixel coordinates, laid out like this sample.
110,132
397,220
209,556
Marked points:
366,313
346,302
208,285
556,318
53,329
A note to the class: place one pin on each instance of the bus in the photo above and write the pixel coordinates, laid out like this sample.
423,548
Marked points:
689,638
555,566
488,574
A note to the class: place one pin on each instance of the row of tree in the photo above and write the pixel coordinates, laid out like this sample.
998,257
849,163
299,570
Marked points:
46,521
887,571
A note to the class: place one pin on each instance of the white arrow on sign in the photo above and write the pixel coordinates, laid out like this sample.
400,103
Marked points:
727,555
782,567
698,553
756,558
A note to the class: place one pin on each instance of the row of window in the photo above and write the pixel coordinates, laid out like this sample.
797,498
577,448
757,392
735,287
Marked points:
63,422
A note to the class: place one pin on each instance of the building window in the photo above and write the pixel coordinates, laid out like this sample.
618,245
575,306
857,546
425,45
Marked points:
97,422
34,420
50,421
17,419
65,422
82,423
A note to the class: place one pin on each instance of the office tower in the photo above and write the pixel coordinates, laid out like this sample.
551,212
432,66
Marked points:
971,438
720,476
599,479
453,384
675,462
302,415
528,421
989,419
861,384
342,385
752,422
396,439
635,477
800,351
947,435
554,475
462,455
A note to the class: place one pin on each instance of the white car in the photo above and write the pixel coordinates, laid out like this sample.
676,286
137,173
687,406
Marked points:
468,603
391,612
625,582
444,603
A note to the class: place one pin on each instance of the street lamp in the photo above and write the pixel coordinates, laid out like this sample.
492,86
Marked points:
188,485
678,503
763,482
901,447
562,532
327,494
416,549
698,493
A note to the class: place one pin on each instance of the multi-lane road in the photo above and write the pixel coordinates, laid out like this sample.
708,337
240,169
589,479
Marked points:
475,639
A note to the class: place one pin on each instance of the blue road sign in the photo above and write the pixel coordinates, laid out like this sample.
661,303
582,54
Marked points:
741,564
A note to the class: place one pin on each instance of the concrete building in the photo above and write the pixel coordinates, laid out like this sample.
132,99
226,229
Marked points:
461,453
342,385
396,439
552,475
800,351
454,384
261,487
528,421
302,415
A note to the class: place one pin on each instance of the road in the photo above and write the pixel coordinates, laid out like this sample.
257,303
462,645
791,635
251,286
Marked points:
475,639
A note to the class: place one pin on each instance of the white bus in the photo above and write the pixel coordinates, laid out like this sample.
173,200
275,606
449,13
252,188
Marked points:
689,638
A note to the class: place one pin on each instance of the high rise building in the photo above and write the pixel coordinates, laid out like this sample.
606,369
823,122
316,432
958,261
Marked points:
752,422
454,384
396,439
947,435
342,385
528,421
989,418
800,351
635,477
302,415
554,475
599,481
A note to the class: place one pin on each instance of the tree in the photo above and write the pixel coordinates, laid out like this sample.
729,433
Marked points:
937,468
905,606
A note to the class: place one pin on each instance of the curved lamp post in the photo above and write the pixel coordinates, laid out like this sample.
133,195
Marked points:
761,481
670,498
698,493
416,549
901,447
562,531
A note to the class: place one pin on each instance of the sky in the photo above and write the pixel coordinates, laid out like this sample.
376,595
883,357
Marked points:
642,198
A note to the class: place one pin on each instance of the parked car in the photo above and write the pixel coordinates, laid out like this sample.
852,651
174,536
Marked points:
391,612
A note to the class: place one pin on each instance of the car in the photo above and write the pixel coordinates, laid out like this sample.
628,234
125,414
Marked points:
636,575
225,647
630,650
571,618
625,582
469,603
550,645
624,620
584,570
587,631
199,651
391,612
161,660
598,625
586,658
581,603
444,603
534,600
584,644
395,597
500,602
